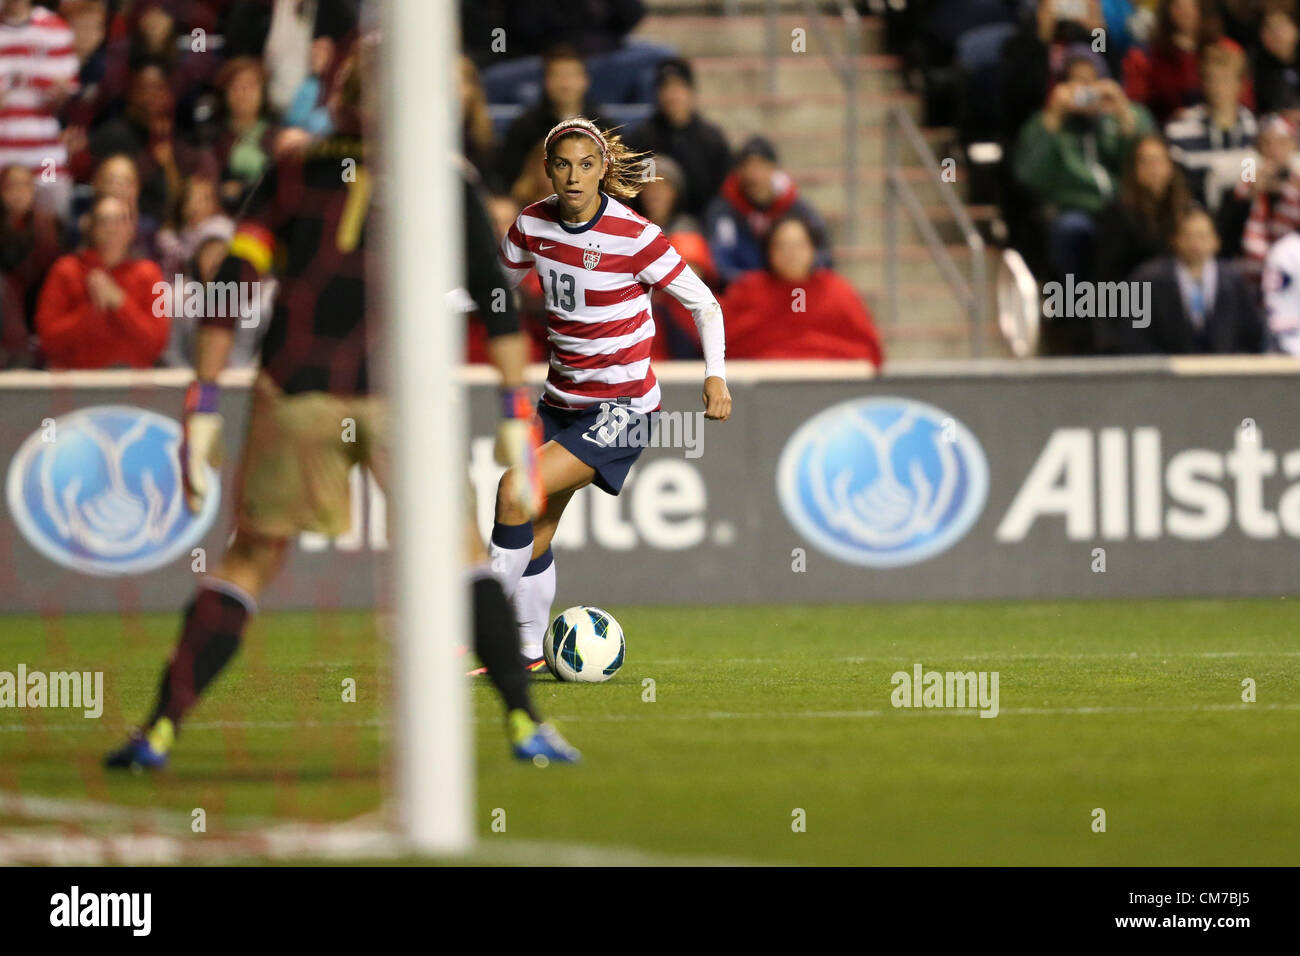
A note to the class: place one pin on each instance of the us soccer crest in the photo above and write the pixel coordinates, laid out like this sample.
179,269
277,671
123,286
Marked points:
591,257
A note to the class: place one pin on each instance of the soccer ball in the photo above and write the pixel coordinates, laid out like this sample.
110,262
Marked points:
584,644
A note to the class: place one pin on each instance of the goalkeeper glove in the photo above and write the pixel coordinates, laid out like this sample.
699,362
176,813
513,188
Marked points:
518,438
201,445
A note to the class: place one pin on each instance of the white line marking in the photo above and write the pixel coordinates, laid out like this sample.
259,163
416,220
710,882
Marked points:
546,853
918,712
84,811
158,849
285,842
210,725
712,715
1127,655
313,844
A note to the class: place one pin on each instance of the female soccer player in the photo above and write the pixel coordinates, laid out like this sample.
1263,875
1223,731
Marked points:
597,261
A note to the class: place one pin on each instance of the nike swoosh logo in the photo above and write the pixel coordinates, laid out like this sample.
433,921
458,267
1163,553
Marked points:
542,245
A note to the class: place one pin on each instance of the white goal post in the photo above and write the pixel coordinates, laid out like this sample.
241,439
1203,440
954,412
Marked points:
422,254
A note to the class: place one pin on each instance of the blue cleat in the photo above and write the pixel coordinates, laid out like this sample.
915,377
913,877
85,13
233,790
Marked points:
539,743
145,750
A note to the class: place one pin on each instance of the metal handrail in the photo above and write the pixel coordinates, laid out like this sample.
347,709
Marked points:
773,43
844,65
972,295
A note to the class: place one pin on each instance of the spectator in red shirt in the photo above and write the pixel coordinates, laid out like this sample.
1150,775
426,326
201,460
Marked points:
97,307
794,309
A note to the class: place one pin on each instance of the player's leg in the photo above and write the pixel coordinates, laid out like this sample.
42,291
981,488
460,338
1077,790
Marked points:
214,622
293,477
536,590
585,447
607,458
212,629
496,642
513,540
496,633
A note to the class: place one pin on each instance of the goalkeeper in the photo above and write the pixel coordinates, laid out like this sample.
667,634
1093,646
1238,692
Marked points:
312,223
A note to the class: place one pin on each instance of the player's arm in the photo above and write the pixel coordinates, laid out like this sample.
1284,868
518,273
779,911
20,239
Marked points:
249,257
491,289
212,352
513,256
666,270
490,285
202,420
509,356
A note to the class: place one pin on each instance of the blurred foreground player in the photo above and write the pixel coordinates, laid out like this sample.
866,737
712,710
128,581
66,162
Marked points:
307,221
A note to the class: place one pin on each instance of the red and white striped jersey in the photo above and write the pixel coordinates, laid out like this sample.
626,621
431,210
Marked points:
597,279
35,56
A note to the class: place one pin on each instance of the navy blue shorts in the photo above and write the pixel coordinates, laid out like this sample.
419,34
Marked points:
608,436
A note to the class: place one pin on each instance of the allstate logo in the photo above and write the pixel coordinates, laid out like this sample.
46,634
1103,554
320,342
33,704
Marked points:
882,482
105,496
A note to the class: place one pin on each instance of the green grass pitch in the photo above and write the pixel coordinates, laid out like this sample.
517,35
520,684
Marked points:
1134,707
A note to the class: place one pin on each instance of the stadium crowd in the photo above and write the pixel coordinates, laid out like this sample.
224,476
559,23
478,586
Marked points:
130,134
131,131
1140,141
733,215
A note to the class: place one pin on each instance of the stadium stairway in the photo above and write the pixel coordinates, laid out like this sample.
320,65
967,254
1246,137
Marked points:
804,118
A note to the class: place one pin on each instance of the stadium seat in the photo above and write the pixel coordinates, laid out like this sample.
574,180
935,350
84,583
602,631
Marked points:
627,116
624,115
625,75
514,82
978,48
503,114
977,53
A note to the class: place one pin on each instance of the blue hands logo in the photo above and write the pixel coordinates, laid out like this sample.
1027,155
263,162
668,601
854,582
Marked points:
882,482
105,496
